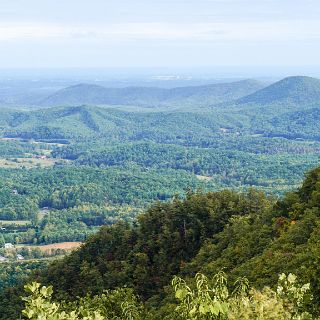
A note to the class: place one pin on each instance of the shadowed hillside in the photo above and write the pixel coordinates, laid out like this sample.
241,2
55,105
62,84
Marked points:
151,97
292,90
246,234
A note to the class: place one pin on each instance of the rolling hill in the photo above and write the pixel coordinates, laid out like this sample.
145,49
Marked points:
147,96
301,124
84,121
246,235
296,90
292,113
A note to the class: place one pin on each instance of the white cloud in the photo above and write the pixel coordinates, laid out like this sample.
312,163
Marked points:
203,32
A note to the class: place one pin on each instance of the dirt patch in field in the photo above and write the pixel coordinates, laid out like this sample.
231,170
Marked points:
54,246
61,245
15,222
26,162
204,178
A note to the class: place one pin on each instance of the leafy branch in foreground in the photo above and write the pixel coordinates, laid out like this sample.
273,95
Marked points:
119,304
205,299
211,299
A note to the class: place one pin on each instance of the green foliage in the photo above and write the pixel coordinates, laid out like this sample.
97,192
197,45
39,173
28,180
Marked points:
39,306
183,96
204,299
291,91
146,256
205,302
118,304
211,299
236,167
121,162
247,234
16,149
80,199
15,273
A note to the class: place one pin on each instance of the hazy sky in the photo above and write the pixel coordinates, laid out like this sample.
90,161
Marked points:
149,33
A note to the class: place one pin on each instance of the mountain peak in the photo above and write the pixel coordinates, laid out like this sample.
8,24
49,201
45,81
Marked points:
291,90
92,94
84,85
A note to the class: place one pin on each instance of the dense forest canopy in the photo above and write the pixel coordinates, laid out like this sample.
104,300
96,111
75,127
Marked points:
216,169
92,165
245,234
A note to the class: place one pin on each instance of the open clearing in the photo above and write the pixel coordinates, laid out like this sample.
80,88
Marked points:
204,178
56,144
60,245
16,222
28,162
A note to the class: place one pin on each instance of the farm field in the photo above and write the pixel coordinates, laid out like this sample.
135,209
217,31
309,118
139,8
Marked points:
27,163
16,222
48,247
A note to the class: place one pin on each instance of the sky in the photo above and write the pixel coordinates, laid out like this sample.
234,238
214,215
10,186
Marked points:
159,33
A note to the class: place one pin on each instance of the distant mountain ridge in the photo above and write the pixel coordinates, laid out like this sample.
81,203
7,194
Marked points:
84,121
291,90
288,108
150,96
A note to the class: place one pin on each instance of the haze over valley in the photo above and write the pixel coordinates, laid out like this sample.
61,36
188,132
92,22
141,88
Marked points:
159,160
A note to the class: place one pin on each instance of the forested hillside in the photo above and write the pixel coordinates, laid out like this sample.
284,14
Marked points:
68,171
247,235
152,97
159,160
290,91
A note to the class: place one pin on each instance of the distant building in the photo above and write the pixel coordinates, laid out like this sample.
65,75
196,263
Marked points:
15,192
2,259
20,257
224,130
8,246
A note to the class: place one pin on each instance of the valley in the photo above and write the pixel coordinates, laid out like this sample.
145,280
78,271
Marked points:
93,165
159,160
88,157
